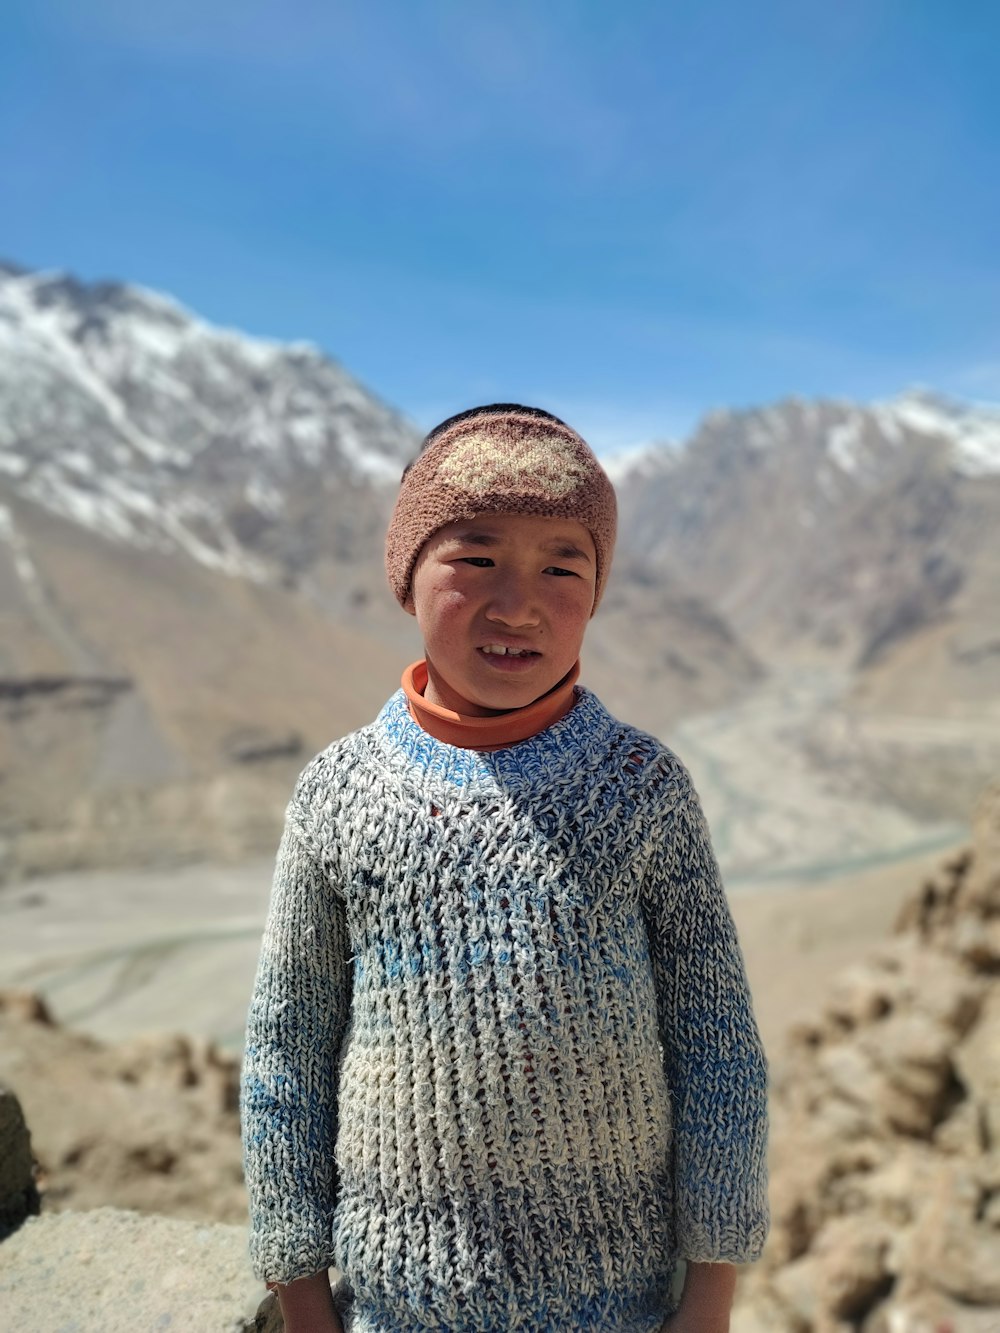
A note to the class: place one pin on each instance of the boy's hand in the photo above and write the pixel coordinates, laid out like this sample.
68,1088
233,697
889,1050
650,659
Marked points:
311,1325
706,1301
307,1305
682,1323
314,1324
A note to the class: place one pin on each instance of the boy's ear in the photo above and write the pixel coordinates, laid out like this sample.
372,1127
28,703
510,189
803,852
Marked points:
409,606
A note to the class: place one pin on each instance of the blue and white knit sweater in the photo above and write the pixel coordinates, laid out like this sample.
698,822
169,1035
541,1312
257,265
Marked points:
501,1064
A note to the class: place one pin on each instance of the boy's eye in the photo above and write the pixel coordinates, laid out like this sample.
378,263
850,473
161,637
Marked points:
485,562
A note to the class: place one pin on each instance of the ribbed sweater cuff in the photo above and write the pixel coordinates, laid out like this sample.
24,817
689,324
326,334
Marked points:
740,1244
284,1255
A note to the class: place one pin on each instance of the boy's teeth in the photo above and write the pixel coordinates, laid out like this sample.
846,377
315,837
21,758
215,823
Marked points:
501,651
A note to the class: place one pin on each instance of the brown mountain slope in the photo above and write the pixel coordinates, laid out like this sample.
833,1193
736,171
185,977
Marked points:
657,655
866,540
825,528
150,707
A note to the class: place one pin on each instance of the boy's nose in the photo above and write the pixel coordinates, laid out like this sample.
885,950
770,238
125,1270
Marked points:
511,603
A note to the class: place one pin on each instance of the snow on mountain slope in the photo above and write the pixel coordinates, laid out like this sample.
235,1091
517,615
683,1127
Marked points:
122,411
973,431
650,459
827,522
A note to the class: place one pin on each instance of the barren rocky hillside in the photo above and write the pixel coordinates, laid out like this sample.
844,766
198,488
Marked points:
833,527
153,709
886,1128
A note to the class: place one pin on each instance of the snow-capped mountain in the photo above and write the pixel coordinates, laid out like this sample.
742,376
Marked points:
847,435
128,415
971,432
852,548
829,523
190,525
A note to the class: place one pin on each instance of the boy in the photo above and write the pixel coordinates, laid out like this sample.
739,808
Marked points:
501,1065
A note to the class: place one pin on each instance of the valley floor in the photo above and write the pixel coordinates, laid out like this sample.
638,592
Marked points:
120,953
788,793
816,864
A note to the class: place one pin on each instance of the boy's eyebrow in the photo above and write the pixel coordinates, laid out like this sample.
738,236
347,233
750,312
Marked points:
566,550
476,537
562,548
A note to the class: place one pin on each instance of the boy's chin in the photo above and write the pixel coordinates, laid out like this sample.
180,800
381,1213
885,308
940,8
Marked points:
504,697
491,704
489,699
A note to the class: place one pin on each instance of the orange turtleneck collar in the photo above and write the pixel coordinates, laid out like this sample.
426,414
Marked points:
486,733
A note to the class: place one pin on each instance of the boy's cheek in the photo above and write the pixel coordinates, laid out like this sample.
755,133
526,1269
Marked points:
443,600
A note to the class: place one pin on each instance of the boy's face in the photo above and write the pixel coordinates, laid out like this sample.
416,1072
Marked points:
502,581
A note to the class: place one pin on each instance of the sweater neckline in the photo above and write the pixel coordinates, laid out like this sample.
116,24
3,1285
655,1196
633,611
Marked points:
580,738
486,733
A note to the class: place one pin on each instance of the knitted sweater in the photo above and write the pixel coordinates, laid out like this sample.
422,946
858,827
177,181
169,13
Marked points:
501,1064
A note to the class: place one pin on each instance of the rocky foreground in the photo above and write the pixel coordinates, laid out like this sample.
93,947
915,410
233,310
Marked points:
150,1124
886,1128
885,1152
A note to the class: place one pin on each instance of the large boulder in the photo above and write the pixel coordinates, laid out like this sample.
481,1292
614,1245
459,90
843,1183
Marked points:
112,1271
18,1191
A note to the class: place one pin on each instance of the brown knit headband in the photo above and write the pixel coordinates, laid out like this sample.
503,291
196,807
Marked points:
504,459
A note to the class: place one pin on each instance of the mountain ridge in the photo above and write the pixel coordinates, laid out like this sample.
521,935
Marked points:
129,415
865,510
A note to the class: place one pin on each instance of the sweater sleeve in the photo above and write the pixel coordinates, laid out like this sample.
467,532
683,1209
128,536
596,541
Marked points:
713,1056
295,1027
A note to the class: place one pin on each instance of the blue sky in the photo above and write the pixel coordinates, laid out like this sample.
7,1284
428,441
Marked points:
629,213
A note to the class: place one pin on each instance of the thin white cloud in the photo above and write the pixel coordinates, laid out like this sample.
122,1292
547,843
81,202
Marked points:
436,76
231,32
981,378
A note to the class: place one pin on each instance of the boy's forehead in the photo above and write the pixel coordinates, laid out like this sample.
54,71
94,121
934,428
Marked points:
493,528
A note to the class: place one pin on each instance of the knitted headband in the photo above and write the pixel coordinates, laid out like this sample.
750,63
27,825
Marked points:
501,459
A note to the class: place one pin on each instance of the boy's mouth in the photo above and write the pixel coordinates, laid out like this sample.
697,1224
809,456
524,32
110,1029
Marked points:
498,650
